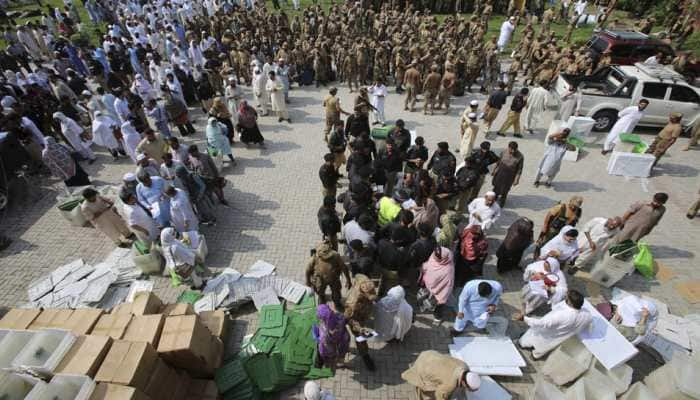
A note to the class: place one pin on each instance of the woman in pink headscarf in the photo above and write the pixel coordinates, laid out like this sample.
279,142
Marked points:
437,280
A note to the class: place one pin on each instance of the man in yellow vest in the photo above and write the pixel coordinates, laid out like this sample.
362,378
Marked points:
389,207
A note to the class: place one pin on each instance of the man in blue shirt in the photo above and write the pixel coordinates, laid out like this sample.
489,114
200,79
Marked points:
477,303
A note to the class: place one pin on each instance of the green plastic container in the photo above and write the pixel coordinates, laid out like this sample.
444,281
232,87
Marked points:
382,132
640,148
70,205
630,138
578,143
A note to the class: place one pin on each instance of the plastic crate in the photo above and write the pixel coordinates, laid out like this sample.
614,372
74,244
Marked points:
11,344
44,352
16,387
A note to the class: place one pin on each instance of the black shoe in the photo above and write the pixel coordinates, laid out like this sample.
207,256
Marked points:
530,131
689,216
369,363
454,332
517,135
537,183
501,134
280,120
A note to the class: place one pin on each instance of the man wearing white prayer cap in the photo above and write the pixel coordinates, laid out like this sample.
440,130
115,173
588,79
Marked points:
469,130
484,211
439,376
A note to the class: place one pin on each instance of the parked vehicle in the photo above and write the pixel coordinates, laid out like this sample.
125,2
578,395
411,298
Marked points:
630,47
612,88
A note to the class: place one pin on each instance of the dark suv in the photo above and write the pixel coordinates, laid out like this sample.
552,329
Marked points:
627,48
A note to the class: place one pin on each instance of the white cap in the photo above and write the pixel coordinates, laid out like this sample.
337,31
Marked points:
490,194
473,381
471,115
473,103
129,177
8,101
140,157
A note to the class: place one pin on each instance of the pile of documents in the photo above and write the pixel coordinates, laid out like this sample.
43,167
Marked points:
231,288
280,353
78,285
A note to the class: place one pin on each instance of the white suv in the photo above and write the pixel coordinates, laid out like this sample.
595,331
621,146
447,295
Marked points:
615,87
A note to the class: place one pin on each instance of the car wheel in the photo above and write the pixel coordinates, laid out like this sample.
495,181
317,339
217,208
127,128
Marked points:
604,120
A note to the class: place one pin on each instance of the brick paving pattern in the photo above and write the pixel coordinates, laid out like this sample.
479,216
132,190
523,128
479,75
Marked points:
275,193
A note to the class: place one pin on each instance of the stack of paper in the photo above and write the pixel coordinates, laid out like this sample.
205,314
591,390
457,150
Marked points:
486,355
77,285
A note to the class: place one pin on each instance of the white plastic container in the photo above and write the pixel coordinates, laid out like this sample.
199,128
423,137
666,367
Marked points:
64,387
44,352
15,386
11,344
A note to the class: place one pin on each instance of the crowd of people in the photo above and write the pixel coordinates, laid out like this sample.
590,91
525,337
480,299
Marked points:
415,223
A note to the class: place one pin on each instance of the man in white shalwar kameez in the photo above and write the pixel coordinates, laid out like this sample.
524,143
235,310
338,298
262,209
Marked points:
593,242
484,211
477,303
553,155
634,317
471,130
393,316
565,320
182,216
103,128
536,106
260,91
275,87
378,92
131,139
569,103
73,134
506,33
627,121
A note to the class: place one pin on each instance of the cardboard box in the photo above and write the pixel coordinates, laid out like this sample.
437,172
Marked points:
202,389
83,320
110,391
51,318
145,328
86,356
128,363
186,343
146,303
216,354
19,318
217,321
162,382
172,310
112,325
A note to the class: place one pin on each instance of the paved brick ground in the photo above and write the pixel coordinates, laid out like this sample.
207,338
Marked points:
275,195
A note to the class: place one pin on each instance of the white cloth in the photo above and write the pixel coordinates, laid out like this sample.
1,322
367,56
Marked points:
536,106
352,231
599,233
103,132
630,309
504,37
487,214
182,215
567,251
393,316
548,332
627,120
37,135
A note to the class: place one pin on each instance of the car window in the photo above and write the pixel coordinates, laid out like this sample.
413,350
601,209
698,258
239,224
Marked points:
599,45
622,50
644,52
684,94
653,90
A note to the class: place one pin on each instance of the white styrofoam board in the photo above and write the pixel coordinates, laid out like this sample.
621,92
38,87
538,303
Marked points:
605,342
486,351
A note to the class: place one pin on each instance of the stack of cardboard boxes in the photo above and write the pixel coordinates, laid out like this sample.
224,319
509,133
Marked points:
139,351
